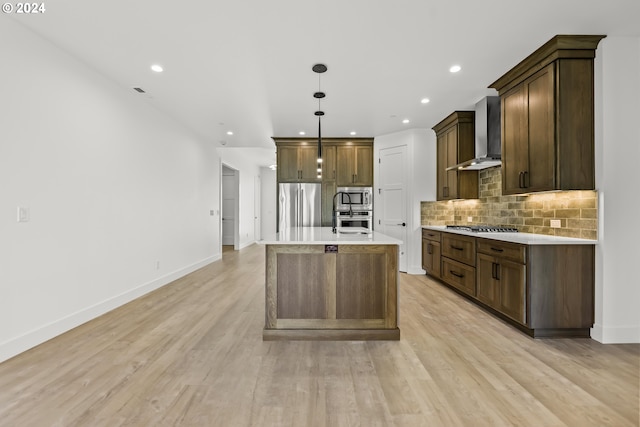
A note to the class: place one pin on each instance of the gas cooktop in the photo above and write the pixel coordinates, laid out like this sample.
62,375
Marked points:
483,228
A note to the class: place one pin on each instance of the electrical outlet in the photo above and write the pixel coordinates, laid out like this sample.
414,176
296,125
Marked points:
469,219
212,212
556,223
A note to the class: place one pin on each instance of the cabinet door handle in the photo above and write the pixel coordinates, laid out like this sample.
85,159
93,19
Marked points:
520,179
334,174
497,271
456,274
429,248
457,248
445,191
525,179
497,249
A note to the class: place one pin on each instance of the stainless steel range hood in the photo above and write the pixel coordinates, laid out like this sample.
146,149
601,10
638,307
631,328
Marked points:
488,143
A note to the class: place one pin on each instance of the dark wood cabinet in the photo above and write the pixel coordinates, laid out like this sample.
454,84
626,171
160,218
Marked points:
548,118
502,286
346,159
455,143
543,289
329,163
354,165
431,252
458,260
546,289
328,191
297,163
329,187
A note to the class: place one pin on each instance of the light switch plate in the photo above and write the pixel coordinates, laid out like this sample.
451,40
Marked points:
556,223
469,219
23,214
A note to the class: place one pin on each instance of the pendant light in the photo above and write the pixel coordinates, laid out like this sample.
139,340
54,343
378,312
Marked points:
319,69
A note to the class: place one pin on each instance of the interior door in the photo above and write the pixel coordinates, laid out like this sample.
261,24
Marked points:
391,200
228,208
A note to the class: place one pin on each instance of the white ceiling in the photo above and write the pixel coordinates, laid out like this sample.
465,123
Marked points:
245,65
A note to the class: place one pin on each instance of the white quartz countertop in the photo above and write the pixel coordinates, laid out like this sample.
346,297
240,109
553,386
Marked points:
324,236
522,238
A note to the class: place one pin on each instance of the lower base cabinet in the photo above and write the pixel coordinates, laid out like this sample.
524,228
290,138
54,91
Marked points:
544,290
431,252
502,286
459,275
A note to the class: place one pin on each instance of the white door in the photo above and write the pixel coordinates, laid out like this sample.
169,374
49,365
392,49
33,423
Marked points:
257,207
391,203
228,207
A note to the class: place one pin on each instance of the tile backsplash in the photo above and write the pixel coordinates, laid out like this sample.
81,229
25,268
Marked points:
577,211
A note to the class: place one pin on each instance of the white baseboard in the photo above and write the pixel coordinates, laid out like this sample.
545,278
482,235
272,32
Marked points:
246,244
415,270
15,346
616,335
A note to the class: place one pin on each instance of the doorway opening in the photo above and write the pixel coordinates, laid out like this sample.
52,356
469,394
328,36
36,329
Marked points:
230,202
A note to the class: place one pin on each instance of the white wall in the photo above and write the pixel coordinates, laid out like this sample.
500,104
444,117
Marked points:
114,188
421,176
617,153
241,159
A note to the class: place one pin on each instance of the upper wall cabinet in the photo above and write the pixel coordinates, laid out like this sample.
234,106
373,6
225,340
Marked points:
455,144
548,118
297,163
346,161
355,165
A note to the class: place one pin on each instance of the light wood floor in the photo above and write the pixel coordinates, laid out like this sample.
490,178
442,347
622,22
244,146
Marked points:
192,354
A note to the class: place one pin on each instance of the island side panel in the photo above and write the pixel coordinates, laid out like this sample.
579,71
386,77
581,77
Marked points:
563,296
375,264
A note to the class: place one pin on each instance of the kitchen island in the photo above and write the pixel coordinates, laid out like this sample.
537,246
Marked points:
331,286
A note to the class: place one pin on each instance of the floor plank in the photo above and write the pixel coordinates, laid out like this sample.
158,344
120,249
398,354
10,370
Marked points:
191,354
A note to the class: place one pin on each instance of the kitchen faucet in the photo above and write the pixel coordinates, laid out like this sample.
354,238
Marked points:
333,210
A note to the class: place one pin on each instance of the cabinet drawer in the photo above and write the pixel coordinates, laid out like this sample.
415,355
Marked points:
431,235
459,275
511,251
460,248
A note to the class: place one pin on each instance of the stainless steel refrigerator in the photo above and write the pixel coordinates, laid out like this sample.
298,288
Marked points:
299,205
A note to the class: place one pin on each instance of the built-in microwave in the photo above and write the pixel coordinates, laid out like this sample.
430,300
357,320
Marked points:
354,198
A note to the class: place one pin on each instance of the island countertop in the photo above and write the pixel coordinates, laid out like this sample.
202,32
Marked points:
521,238
324,236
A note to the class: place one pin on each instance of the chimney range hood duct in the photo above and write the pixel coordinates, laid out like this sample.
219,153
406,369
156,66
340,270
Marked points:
488,143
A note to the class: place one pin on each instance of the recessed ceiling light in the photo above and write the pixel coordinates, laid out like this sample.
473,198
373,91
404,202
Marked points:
425,100
302,132
229,133
405,121
157,68
455,68
352,133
